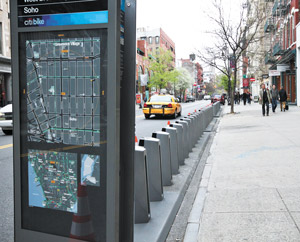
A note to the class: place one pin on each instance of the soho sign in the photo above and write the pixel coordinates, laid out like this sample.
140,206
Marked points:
30,10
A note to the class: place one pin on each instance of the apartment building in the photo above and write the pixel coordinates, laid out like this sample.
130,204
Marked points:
280,28
157,38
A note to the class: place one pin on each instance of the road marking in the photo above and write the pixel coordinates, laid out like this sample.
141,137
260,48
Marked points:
6,146
140,116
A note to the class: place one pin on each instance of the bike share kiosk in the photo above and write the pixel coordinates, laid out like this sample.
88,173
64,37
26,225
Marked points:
67,69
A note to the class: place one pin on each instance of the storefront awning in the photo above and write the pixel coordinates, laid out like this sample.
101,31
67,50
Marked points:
5,65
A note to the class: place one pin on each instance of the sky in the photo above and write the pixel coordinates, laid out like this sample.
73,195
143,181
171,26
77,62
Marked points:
186,22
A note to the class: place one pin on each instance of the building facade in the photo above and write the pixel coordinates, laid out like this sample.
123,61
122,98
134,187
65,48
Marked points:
5,54
157,38
279,45
272,59
196,72
149,41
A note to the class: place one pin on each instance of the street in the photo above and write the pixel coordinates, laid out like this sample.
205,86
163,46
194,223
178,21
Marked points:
6,188
143,128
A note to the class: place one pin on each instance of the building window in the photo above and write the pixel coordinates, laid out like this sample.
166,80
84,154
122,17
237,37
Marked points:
293,29
171,48
288,33
1,39
157,40
150,40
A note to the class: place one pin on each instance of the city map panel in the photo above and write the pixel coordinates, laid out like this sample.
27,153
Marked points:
52,179
63,90
90,170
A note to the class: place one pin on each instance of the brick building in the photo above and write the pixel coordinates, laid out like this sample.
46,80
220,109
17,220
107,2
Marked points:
142,64
149,41
280,26
156,39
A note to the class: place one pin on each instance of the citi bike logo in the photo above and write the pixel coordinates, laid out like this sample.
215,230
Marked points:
34,22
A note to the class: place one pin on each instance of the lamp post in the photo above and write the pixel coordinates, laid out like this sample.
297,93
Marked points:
226,55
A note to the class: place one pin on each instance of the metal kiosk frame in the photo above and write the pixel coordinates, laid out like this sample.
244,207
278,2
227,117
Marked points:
120,100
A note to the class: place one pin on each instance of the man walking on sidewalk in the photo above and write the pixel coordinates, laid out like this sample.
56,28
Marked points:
282,98
274,93
264,99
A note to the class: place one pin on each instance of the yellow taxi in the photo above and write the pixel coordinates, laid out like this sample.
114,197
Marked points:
162,105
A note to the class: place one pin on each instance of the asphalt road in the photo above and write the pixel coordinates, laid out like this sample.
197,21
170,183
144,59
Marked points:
144,128
6,188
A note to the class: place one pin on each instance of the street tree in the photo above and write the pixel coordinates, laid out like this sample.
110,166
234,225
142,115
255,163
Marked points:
184,81
161,65
232,39
223,81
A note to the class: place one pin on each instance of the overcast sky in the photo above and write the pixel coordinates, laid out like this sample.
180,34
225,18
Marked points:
185,21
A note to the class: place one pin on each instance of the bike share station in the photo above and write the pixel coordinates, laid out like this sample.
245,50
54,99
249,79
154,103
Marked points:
73,68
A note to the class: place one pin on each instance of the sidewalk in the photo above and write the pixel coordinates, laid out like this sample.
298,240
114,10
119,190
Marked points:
251,179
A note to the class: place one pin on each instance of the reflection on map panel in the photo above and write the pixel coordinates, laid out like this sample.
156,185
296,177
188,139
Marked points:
63,90
90,170
52,178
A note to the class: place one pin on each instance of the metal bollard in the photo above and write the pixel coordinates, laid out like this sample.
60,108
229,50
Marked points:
197,126
185,126
165,154
211,114
190,130
180,141
206,118
154,168
201,120
215,109
194,135
174,149
193,132
141,186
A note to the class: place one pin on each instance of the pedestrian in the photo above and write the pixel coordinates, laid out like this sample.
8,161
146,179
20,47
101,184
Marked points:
282,98
264,99
249,96
245,97
238,97
235,98
275,94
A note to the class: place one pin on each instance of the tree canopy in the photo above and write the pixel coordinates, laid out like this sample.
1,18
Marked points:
161,64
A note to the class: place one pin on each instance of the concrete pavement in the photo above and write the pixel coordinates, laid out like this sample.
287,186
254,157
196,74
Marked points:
250,188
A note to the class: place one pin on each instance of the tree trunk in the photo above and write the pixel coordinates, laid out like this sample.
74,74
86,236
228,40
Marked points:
234,86
229,88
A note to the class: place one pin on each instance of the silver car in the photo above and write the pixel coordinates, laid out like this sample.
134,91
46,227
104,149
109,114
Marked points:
6,122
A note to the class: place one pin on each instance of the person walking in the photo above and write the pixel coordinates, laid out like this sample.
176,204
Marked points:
264,99
275,95
249,97
235,98
282,98
245,97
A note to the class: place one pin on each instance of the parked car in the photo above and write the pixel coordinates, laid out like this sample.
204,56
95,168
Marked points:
207,97
162,105
190,98
218,98
6,122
